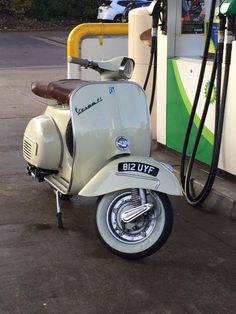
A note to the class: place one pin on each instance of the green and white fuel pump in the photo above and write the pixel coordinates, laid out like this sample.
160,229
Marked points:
226,16
194,90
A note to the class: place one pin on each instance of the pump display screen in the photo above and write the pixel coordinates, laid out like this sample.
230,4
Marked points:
193,15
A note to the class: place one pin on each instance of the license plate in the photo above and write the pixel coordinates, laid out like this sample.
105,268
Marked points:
138,167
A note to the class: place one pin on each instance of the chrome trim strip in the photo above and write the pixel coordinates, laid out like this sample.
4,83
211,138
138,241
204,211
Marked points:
136,176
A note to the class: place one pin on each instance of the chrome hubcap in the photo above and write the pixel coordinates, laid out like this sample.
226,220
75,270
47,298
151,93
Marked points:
137,230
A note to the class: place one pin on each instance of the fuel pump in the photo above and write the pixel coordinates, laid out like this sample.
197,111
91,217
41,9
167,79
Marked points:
227,16
181,103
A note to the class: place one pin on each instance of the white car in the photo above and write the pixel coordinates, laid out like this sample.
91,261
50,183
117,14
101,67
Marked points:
112,10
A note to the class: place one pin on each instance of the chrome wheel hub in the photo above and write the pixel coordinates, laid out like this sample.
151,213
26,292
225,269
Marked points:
137,230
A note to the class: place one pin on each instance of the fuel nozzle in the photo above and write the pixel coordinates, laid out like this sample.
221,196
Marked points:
158,10
154,10
228,7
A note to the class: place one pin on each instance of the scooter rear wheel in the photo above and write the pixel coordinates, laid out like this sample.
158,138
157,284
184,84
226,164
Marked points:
140,237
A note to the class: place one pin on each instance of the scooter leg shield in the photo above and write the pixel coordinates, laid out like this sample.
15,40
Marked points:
133,172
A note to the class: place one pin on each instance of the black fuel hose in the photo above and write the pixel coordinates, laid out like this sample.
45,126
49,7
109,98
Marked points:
153,54
154,79
195,200
153,44
197,94
186,179
152,61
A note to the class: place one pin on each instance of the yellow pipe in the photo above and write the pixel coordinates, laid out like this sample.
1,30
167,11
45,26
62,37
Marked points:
89,29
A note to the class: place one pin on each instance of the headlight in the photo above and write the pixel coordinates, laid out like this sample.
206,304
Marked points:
126,68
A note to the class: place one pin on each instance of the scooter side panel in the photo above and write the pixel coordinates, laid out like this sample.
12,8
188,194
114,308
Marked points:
101,112
42,143
133,172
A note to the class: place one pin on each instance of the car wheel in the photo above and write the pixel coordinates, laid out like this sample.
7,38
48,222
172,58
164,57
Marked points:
118,18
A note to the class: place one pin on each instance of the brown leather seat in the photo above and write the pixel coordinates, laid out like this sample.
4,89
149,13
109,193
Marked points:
58,90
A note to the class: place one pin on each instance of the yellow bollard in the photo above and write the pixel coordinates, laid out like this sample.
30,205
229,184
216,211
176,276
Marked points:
90,29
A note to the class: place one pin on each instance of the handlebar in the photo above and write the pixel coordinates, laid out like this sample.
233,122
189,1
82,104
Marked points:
83,62
114,69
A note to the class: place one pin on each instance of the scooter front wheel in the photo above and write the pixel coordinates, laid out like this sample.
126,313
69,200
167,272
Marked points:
143,235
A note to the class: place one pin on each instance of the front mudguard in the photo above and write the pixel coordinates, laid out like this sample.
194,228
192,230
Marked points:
110,179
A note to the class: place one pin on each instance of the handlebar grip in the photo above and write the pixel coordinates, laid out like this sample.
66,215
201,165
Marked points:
82,62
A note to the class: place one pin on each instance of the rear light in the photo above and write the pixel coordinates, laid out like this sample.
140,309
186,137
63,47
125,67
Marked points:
107,4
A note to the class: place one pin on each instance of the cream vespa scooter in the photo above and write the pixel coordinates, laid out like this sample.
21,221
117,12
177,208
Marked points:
95,140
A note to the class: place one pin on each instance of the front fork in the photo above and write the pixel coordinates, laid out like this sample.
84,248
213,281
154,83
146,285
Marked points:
143,196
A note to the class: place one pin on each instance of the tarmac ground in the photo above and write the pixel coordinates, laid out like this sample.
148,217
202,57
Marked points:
47,270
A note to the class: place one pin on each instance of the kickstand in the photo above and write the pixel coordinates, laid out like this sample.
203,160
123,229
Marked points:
59,214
